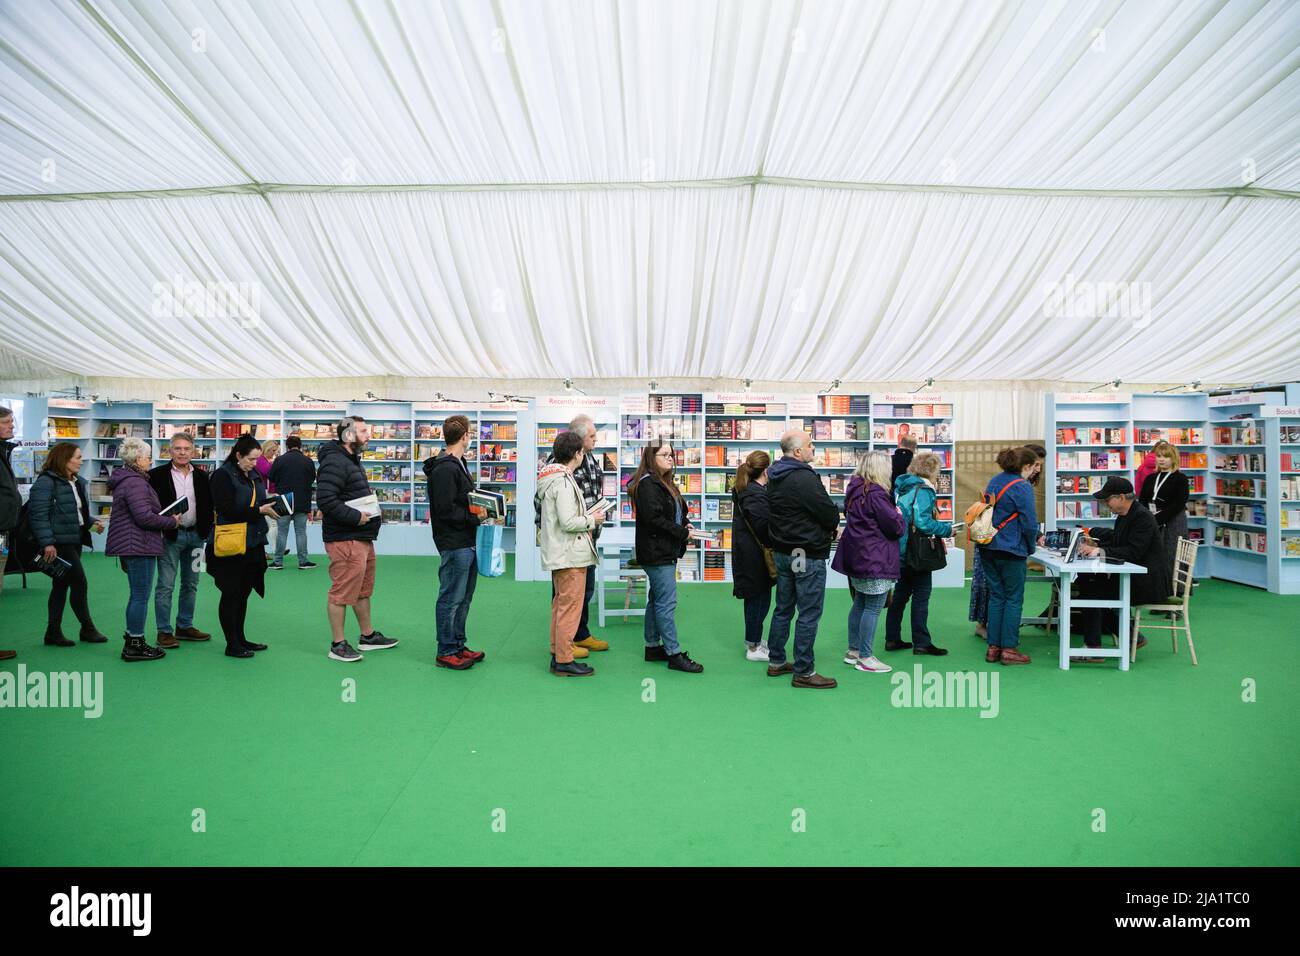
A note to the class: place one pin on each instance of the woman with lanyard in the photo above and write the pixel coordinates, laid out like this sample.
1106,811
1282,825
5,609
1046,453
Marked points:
1164,493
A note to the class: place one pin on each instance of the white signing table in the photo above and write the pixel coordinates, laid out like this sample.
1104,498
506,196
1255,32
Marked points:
1066,573
613,542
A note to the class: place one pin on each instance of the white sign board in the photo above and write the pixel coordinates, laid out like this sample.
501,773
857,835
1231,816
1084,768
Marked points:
908,398
1092,398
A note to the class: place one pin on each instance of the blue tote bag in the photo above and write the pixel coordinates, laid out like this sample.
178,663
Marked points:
491,554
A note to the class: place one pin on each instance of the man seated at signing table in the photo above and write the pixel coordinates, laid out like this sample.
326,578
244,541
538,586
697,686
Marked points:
1136,539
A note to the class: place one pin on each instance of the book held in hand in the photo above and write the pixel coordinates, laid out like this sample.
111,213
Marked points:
493,503
177,507
282,503
366,504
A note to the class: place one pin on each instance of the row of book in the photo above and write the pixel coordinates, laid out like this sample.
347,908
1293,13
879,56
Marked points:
1241,514
262,431
719,482
685,456
1256,541
730,456
605,437
715,565
1291,546
1083,508
200,451
941,432
498,431
1175,436
491,451
393,495
1289,488
913,411
1237,435
386,453
193,429
1290,462
676,404
1090,461
1240,487
491,473
1290,434
388,472
1193,459
1250,462
64,428
122,430
108,449
845,404
744,429
746,408
718,509
646,429
1091,436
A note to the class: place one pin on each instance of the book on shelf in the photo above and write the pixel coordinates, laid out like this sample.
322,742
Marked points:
1236,435
1289,488
1290,434
944,484
1175,436
1238,513
726,509
1244,462
65,428
1240,487
1239,540
943,509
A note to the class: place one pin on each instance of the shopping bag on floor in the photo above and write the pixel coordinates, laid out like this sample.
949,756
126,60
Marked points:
491,553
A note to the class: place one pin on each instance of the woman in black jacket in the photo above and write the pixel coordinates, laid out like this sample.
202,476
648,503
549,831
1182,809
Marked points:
59,513
751,580
238,498
662,531
1165,492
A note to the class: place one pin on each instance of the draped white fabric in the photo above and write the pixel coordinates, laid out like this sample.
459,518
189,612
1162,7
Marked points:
782,283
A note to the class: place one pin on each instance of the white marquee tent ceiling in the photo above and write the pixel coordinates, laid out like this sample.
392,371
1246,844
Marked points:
779,190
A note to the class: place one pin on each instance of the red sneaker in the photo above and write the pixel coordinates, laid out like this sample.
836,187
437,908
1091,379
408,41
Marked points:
472,656
455,661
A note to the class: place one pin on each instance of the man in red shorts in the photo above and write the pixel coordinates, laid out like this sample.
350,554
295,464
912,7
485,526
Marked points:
349,534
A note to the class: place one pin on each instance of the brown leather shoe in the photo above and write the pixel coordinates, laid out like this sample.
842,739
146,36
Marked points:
993,654
6,655
776,670
167,641
192,634
814,680
1012,656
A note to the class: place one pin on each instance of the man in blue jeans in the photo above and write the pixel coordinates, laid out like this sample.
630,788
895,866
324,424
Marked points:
293,472
803,524
455,530
182,547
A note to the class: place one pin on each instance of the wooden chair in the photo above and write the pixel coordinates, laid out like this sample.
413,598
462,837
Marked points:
1178,602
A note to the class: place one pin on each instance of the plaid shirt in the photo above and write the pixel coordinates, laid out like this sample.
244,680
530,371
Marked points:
590,478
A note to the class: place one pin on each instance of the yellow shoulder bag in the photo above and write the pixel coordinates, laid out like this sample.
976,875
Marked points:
231,540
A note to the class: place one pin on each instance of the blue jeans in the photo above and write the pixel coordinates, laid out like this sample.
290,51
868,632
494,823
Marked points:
756,609
457,576
139,575
178,554
1004,576
299,522
863,616
916,586
661,607
804,591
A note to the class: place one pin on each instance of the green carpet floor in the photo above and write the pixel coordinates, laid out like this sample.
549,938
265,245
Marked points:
715,771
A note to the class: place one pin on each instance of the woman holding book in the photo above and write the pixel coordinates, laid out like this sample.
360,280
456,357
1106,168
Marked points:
662,533
135,537
240,503
867,554
567,547
270,451
752,576
59,512
1165,492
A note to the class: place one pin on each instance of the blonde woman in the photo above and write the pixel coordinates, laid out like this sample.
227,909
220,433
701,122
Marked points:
270,450
868,555
915,493
1164,492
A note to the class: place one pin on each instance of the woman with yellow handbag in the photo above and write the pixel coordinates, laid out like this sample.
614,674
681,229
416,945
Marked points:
236,548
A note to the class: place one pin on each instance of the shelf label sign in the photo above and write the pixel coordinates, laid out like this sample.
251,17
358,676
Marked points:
67,403
502,406
576,403
801,406
634,405
743,398
1280,411
1244,398
256,406
919,398
176,405
317,406
443,406
1093,398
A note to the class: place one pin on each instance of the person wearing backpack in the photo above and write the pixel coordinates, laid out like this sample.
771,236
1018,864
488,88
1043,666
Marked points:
1004,556
916,497
752,567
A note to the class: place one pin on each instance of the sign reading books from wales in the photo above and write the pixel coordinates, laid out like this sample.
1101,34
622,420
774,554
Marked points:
183,405
317,407
1280,411
56,403
255,406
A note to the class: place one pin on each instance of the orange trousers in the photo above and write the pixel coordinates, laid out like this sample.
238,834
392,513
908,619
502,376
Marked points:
566,608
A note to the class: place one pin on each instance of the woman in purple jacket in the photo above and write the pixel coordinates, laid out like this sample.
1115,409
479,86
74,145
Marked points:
135,537
868,555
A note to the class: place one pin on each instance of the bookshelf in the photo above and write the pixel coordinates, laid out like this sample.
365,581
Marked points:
497,454
927,417
197,418
1179,418
1089,439
735,425
1282,450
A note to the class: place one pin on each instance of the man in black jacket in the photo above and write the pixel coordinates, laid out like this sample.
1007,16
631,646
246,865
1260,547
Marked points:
803,521
11,502
182,546
901,460
1135,538
455,532
293,472
349,535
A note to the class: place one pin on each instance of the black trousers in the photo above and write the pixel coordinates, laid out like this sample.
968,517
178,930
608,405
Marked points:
1097,619
235,587
74,583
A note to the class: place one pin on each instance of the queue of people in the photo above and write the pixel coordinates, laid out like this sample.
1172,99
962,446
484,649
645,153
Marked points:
784,525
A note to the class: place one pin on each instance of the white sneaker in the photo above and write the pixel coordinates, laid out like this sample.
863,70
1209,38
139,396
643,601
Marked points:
758,653
851,657
870,665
